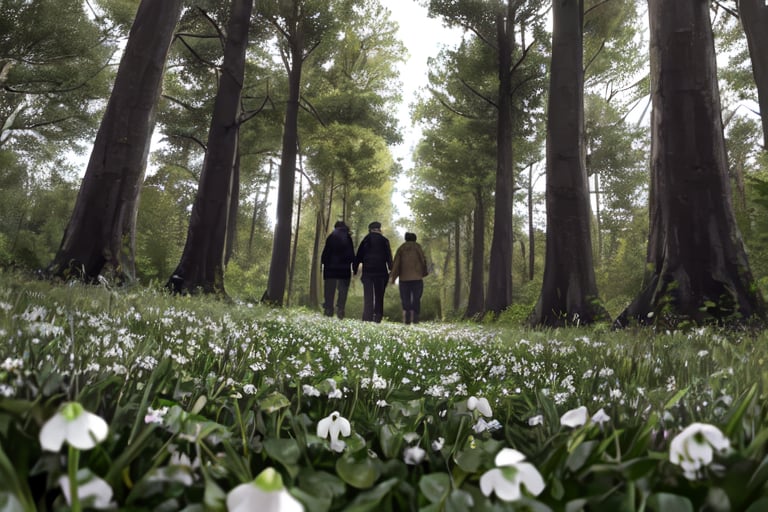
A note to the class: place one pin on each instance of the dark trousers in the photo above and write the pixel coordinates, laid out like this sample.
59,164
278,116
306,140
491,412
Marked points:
330,287
410,295
373,298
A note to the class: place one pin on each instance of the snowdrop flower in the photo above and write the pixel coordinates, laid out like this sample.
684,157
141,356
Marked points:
413,455
575,417
249,389
536,420
509,475
310,390
155,415
81,429
331,427
694,447
481,404
600,417
438,443
482,425
94,491
266,494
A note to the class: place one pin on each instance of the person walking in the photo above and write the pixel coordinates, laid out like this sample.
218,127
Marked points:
410,266
375,254
337,259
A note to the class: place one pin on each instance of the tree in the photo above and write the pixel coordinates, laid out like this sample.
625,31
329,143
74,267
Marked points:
754,19
698,270
101,230
568,291
210,226
301,25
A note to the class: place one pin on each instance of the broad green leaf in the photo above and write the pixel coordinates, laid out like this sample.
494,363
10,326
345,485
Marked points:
759,506
675,398
738,410
312,502
321,484
371,500
636,469
391,439
435,486
666,502
361,474
469,459
459,501
760,475
274,402
285,451
580,455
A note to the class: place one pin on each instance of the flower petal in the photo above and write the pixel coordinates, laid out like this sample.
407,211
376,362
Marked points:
530,477
575,417
323,427
489,480
53,433
508,457
86,431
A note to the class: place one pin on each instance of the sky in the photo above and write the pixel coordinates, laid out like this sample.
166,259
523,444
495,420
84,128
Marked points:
423,37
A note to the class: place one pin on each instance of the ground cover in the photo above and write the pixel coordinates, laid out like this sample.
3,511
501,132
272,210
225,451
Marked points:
208,405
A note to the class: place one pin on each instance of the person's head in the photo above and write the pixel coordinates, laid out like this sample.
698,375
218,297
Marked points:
375,226
340,224
410,237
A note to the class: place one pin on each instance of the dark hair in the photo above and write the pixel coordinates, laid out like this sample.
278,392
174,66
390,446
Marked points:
410,237
339,224
374,225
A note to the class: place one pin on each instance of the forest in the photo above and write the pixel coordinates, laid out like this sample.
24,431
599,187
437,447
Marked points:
579,161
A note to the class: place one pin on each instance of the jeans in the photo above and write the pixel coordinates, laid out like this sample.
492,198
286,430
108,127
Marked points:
330,287
373,298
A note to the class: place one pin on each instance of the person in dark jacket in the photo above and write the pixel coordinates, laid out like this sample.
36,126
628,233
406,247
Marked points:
410,266
337,259
375,254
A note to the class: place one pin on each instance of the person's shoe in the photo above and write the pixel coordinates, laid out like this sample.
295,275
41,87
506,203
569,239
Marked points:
340,314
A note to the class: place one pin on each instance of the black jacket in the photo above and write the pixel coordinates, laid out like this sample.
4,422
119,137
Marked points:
338,255
375,255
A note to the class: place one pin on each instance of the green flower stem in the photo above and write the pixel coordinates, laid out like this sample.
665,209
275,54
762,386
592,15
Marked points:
73,463
242,427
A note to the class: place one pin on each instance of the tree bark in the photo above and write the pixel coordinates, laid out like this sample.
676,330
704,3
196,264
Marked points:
568,291
754,19
201,268
698,268
281,245
499,295
475,300
101,231
457,264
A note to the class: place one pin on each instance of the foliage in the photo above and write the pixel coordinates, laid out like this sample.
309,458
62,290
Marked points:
202,396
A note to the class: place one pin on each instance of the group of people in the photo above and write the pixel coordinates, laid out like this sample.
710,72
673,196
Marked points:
340,262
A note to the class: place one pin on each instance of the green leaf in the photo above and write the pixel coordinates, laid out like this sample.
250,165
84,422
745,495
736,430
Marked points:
666,502
285,451
636,469
580,455
675,398
321,484
274,402
360,474
312,502
391,439
759,506
214,498
435,486
371,500
459,501
576,505
469,459
737,411
759,477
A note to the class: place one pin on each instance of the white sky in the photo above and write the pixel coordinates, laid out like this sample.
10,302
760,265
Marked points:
423,37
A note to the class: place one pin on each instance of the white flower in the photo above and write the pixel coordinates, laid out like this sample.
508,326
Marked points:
310,390
91,490
81,429
382,403
331,427
413,455
536,420
509,475
600,417
249,389
575,417
265,494
438,443
335,393
155,415
694,447
481,404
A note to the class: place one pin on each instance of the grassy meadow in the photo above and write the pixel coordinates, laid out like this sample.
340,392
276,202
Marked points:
207,401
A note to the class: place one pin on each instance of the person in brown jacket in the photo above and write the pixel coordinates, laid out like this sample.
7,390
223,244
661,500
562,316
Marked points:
410,265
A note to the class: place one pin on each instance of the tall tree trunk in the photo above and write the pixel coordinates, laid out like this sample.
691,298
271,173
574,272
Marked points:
475,300
698,268
202,263
568,291
754,19
102,228
531,232
234,208
259,207
281,246
457,265
314,271
292,267
499,295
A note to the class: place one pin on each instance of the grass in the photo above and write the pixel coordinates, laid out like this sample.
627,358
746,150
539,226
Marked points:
242,388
